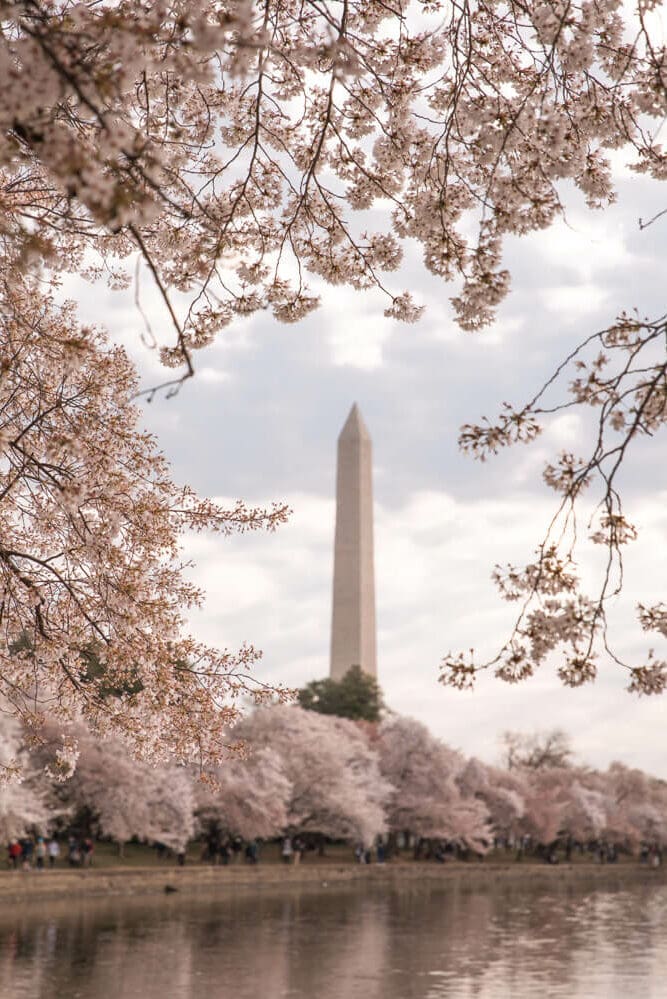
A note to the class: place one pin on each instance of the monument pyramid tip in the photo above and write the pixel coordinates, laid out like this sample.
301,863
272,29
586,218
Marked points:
354,426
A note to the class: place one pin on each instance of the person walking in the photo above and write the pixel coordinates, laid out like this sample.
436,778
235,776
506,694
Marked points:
15,854
27,849
73,852
40,853
53,850
252,852
87,849
286,850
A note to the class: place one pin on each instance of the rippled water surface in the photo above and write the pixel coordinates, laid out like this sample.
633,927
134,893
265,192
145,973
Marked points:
443,942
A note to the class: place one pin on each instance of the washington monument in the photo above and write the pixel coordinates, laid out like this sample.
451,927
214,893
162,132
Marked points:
353,619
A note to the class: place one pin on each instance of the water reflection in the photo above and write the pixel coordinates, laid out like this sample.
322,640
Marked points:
442,942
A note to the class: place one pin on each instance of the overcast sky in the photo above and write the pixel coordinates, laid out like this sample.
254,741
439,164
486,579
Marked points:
260,421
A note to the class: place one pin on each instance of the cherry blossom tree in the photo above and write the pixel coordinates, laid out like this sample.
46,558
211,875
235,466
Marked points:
130,798
547,800
94,593
541,797
585,805
576,802
231,152
426,800
336,788
250,797
24,804
638,805
502,792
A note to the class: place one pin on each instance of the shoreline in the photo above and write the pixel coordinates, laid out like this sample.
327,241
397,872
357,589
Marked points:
20,886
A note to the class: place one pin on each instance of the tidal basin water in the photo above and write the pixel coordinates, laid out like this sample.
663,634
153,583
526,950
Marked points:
443,942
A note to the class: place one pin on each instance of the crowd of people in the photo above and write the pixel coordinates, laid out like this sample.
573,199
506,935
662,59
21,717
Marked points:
38,853
34,853
220,849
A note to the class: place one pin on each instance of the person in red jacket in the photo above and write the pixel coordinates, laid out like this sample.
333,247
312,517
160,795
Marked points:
15,853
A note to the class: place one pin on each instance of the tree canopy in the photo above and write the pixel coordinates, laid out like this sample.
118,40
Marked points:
356,696
229,151
317,774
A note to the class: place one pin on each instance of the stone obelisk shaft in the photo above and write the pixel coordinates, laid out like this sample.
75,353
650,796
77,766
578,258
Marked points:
353,620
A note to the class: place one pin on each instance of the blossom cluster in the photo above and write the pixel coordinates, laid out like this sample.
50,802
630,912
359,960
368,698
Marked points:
93,582
225,139
621,374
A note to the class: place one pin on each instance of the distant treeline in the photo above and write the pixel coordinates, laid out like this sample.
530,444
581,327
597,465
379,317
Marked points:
311,775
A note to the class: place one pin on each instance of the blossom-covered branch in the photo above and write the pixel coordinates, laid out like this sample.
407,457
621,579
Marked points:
93,586
238,146
620,372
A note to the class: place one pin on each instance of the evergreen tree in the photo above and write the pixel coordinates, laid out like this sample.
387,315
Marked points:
356,696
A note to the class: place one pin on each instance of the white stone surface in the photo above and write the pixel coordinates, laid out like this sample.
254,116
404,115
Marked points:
353,618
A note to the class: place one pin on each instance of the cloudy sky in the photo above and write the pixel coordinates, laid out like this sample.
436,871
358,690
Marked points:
260,421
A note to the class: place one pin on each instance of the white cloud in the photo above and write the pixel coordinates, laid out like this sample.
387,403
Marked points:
572,302
356,337
434,555
212,376
564,430
585,244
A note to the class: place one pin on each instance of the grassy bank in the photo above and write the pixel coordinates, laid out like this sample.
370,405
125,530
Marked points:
107,855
